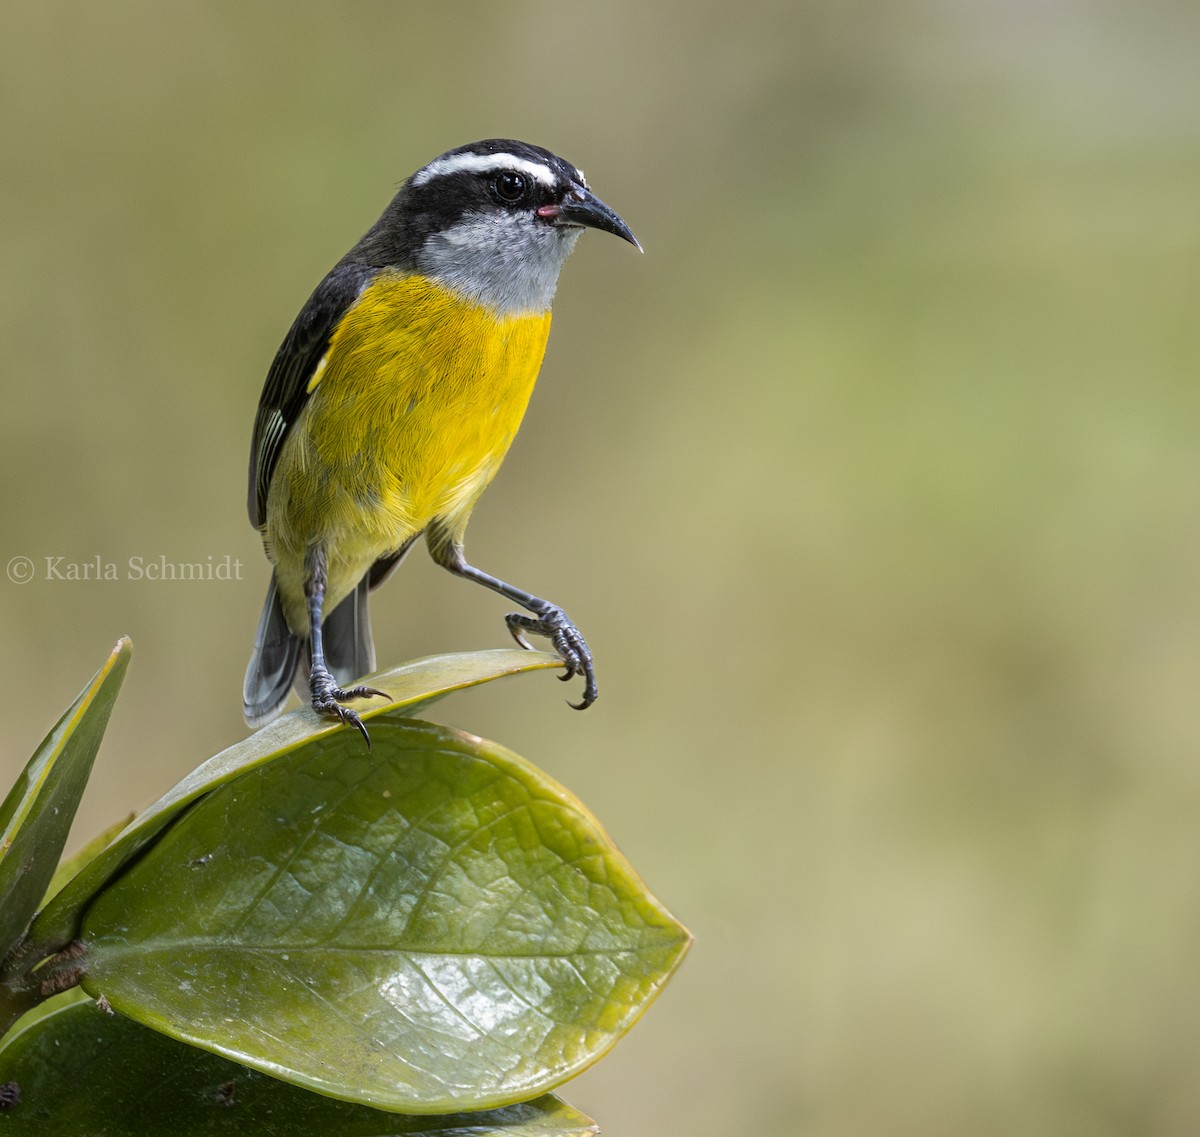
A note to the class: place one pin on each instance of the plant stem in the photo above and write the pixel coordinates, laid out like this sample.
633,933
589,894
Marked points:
22,993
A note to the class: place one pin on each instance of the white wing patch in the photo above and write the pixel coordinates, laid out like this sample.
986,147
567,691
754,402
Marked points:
482,164
268,445
271,432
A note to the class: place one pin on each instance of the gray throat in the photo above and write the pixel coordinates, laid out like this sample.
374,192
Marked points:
505,263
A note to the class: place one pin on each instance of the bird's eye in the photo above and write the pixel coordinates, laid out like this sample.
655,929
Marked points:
510,186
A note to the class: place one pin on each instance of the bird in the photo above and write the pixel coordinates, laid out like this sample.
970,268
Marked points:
391,404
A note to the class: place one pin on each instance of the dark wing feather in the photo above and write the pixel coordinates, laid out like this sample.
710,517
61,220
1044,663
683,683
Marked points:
386,565
285,391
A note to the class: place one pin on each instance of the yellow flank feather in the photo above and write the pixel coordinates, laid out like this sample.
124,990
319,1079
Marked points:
420,395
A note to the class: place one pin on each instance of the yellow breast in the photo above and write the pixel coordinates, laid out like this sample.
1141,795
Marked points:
414,406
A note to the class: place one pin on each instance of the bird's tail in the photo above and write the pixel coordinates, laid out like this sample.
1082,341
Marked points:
272,663
281,658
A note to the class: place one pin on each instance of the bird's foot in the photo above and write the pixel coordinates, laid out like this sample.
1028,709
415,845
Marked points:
568,642
328,697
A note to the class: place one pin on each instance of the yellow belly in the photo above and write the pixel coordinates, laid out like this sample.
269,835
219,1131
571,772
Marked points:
418,400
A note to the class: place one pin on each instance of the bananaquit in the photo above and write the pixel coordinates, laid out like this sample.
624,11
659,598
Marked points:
392,402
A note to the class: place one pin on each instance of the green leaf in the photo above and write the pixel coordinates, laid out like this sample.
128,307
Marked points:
412,685
432,926
75,863
37,814
82,1073
51,1006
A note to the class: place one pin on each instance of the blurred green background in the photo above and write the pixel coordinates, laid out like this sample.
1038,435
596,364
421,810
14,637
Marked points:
874,485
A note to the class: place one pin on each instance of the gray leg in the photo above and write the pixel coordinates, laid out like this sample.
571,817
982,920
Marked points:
327,696
547,620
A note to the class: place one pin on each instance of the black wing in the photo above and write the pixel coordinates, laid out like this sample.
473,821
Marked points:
285,391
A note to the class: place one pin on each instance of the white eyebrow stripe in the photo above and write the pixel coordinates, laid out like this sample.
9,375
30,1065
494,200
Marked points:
482,164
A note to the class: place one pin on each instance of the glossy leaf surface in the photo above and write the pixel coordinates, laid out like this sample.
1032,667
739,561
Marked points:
81,858
82,1073
412,685
432,926
36,816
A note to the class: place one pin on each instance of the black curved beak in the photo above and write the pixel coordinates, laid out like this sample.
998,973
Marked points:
582,207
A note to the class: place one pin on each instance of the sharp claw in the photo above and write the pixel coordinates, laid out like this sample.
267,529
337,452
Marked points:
362,728
327,702
514,630
335,711
578,667
338,695
567,641
589,697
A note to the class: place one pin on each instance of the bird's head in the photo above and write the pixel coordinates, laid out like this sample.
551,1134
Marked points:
495,221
